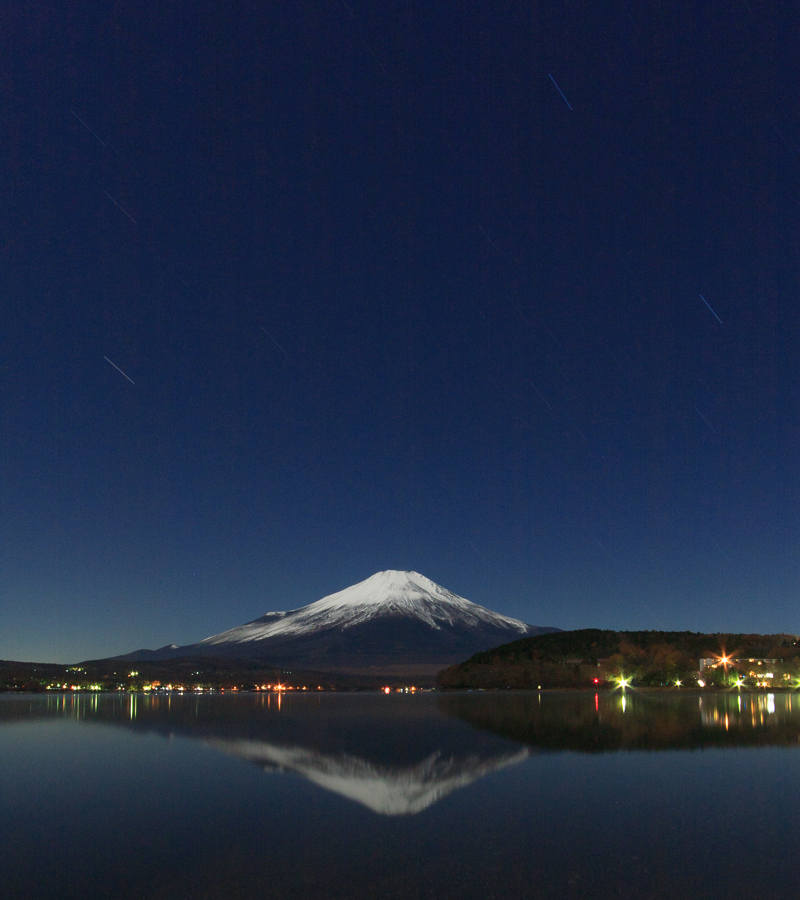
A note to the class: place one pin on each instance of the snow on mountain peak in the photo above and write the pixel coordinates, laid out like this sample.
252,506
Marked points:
389,593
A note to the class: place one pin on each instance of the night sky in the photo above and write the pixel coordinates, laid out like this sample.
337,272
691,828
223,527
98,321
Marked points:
501,292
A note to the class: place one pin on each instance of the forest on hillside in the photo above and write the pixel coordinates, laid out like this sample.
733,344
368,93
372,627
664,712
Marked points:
593,656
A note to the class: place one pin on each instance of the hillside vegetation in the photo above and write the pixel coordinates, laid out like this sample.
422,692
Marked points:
650,658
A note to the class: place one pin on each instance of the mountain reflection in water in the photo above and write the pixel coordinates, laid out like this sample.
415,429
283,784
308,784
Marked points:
399,755
388,790
394,755
168,797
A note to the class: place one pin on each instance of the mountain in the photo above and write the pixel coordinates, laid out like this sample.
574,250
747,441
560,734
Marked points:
396,622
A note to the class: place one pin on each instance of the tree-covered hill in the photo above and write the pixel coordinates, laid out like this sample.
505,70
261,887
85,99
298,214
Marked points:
578,658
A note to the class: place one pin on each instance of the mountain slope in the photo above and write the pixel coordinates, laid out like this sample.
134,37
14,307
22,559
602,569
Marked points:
392,593
396,621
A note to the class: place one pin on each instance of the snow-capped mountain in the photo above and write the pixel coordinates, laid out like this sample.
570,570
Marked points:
392,620
391,593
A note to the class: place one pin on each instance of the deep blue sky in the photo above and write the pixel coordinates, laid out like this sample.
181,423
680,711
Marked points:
389,302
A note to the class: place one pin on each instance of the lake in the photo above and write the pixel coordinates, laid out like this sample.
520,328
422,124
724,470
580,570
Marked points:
484,795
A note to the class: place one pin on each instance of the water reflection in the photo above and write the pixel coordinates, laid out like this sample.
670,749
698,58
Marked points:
748,711
395,756
633,720
97,802
399,755
388,790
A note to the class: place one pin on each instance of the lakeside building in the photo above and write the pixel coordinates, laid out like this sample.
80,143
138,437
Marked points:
741,663
749,670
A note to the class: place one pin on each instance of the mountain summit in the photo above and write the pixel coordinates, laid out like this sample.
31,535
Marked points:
385,594
397,622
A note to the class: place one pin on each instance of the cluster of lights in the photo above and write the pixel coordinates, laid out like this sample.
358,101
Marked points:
156,687
283,687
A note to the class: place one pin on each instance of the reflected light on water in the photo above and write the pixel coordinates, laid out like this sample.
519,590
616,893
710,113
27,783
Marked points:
764,709
500,774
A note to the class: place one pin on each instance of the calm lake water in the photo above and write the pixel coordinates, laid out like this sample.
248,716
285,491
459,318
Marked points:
552,795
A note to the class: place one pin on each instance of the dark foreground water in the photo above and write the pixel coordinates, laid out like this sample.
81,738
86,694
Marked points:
429,796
